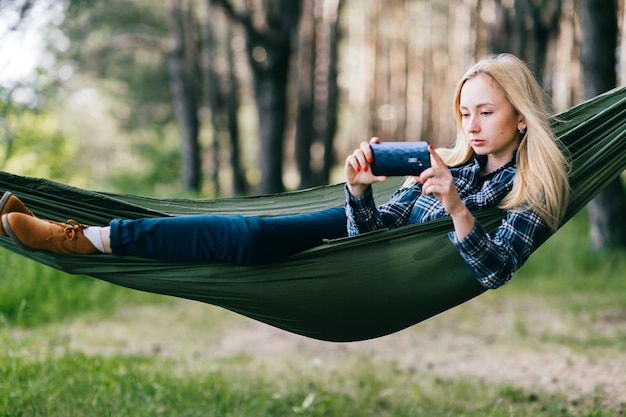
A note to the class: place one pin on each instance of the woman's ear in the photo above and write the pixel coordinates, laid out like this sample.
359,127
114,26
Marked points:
521,125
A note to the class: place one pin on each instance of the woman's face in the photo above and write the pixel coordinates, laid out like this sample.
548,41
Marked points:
489,119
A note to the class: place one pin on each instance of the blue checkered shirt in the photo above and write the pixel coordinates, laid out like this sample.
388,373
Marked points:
492,258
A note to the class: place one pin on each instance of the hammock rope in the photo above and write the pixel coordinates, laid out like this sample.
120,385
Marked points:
345,290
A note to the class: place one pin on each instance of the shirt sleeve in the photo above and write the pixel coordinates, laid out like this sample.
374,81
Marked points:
494,258
363,215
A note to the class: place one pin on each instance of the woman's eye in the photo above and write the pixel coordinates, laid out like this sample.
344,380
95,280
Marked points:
465,115
486,113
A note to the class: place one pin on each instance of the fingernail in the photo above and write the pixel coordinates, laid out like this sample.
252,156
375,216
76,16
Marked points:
358,170
370,160
430,146
364,169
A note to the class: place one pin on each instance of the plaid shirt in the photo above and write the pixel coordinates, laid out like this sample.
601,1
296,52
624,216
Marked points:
492,258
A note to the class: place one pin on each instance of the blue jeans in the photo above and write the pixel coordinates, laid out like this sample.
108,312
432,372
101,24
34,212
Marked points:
244,240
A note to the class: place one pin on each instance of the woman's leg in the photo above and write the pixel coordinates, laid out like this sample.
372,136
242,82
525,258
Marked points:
283,236
233,239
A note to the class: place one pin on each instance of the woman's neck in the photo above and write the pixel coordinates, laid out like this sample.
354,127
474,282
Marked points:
494,163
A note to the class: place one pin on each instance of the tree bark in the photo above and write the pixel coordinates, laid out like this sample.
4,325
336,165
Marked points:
183,84
240,184
329,107
317,90
524,28
598,63
305,129
269,47
212,95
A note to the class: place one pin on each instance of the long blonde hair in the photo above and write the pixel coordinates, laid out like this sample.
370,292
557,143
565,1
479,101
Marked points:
541,181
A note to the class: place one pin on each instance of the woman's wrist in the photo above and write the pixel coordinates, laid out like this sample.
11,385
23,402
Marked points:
357,190
463,221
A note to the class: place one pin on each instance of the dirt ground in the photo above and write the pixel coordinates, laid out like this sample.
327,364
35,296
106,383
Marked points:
524,343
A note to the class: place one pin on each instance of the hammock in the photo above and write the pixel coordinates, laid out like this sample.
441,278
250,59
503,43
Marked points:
348,289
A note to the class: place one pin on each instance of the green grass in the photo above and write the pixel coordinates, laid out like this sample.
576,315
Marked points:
34,294
76,384
566,267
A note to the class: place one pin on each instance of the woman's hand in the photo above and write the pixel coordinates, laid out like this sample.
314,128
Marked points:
437,180
358,171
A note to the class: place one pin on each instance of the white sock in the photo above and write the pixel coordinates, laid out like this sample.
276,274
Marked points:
92,233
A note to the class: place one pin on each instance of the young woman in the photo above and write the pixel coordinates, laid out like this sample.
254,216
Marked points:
505,155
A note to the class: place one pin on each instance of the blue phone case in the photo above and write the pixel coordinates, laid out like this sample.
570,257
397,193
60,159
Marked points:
400,158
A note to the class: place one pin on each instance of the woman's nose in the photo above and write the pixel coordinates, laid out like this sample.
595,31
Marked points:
473,125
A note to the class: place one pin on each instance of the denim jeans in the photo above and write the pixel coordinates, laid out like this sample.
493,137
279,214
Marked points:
244,240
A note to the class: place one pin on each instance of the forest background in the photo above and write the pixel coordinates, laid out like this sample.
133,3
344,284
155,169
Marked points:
218,98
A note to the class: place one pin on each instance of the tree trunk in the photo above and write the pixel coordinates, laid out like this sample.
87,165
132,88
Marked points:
305,129
231,96
212,95
598,63
270,90
269,47
222,98
524,28
606,217
184,89
330,106
318,90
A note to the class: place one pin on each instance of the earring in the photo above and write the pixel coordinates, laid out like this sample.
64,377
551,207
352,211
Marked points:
522,131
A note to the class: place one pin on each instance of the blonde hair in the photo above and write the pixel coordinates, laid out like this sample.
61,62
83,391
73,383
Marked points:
541,181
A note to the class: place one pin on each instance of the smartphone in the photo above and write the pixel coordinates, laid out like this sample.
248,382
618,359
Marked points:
400,158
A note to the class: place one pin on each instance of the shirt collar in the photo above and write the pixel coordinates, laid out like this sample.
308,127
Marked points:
481,160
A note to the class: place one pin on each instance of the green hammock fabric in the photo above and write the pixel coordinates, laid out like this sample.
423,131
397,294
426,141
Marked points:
345,290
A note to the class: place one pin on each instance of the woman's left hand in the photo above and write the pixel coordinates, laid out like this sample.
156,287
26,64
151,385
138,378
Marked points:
437,180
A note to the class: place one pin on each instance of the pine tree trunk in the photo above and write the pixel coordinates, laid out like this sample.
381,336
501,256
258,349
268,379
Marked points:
231,96
305,127
269,47
184,91
599,27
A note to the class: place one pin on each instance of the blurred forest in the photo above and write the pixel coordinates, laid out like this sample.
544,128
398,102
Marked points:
236,97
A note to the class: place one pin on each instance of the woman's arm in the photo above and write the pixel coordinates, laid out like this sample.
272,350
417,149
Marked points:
364,216
494,258
438,181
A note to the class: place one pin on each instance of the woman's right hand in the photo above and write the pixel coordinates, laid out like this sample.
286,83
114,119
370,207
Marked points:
358,171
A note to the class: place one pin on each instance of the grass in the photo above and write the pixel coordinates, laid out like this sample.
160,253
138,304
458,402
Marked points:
139,386
35,294
42,376
572,274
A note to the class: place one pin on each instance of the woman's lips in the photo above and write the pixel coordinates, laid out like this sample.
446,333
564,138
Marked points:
477,142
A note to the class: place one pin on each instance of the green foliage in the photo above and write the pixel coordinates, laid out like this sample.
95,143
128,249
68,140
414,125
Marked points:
566,265
122,43
157,172
34,294
39,149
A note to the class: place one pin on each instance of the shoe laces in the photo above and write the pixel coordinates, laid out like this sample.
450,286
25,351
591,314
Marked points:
71,228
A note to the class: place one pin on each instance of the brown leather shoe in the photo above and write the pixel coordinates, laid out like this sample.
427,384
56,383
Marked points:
9,203
32,233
